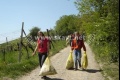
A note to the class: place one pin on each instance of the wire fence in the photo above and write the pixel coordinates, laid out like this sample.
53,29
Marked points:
7,44
10,36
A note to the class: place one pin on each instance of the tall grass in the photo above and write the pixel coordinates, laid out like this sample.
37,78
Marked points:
104,56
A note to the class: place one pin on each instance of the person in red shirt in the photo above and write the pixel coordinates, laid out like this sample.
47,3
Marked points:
42,47
76,45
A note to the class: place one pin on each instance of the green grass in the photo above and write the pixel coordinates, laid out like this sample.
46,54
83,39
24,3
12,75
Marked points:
58,45
12,68
110,69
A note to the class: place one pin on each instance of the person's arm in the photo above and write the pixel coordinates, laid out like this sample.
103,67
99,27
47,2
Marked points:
83,45
67,40
48,46
35,50
72,45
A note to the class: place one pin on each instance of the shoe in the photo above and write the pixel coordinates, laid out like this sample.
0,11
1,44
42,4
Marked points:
79,65
83,69
43,77
75,69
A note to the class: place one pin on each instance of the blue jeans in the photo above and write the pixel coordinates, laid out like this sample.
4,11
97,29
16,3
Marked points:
77,58
42,57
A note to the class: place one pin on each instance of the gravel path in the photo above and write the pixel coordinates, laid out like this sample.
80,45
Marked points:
93,71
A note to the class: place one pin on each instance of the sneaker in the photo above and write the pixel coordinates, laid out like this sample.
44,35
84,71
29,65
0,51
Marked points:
79,65
43,77
83,69
75,69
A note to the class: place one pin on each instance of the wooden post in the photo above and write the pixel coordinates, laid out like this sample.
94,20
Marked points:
3,51
7,43
6,40
20,44
50,41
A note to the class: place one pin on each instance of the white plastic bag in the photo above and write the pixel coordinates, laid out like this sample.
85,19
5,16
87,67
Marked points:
85,61
70,62
47,68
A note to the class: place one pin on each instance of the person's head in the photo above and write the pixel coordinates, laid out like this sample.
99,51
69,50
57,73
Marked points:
40,34
76,33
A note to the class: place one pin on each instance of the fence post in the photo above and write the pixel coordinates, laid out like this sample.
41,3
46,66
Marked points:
20,44
3,51
7,43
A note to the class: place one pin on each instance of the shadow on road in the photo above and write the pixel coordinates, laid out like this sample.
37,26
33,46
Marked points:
71,69
47,78
92,70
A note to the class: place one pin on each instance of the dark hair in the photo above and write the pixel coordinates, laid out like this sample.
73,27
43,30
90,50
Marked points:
41,33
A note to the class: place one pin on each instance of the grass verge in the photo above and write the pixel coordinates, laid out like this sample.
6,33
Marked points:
110,69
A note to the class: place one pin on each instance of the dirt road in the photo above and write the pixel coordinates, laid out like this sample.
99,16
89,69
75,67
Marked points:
93,71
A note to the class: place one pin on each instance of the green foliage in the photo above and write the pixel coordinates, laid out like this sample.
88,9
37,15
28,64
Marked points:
112,70
16,69
56,48
66,25
33,32
100,23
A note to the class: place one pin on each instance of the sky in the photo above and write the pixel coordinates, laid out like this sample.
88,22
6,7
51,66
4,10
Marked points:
40,13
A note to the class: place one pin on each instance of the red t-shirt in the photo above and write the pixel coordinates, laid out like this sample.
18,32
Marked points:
78,44
42,45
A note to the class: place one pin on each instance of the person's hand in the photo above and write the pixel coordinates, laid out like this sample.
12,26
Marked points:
47,53
84,52
71,51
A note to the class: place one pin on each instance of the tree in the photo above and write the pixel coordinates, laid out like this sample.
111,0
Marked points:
66,25
33,32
